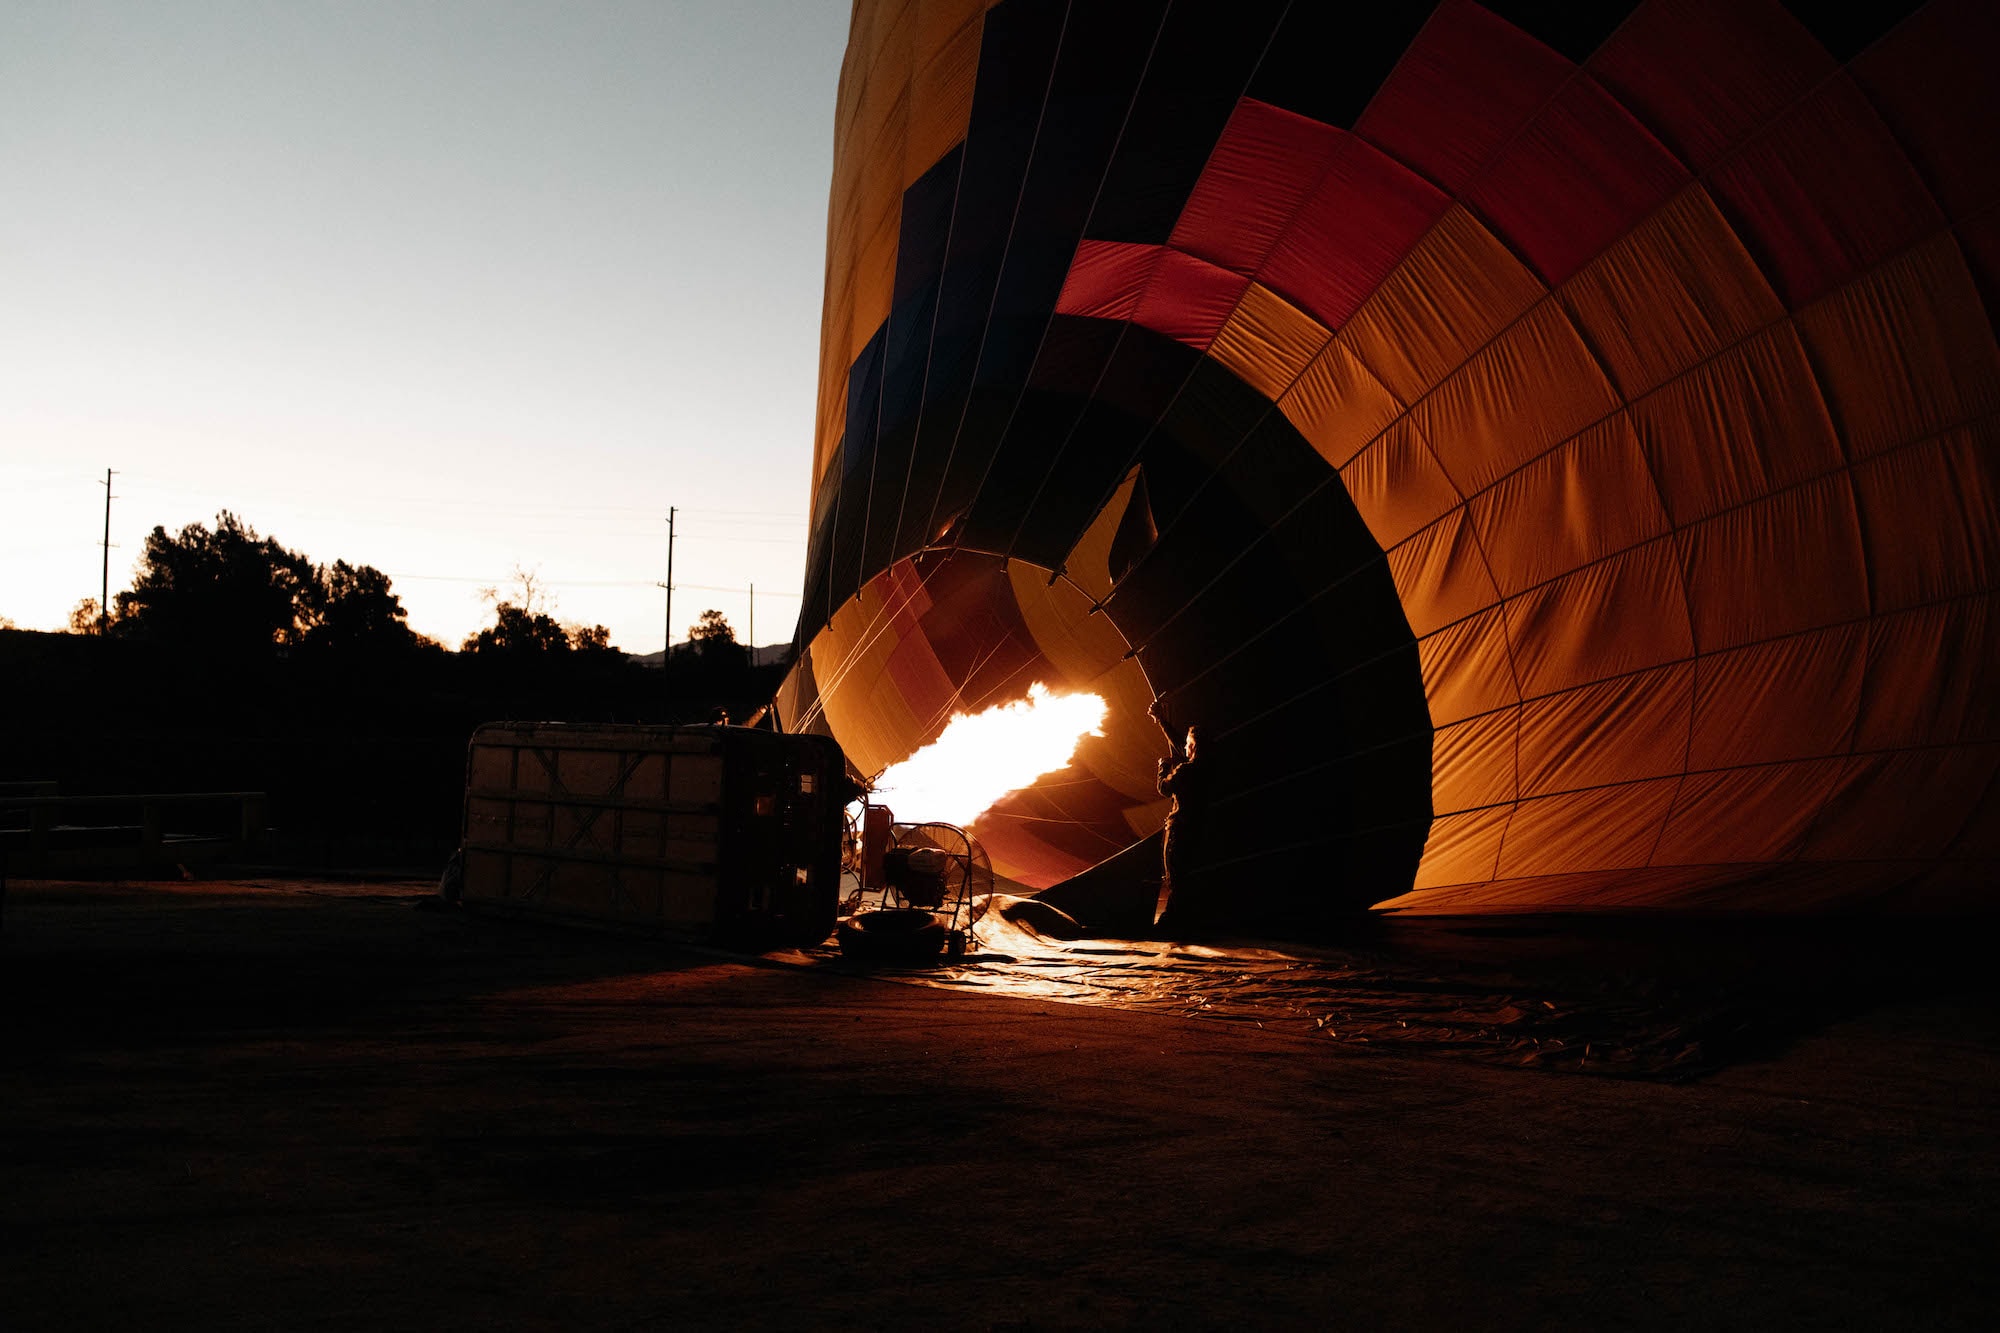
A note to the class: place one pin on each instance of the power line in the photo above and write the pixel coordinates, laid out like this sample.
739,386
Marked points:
785,515
757,517
578,583
750,541
752,589
613,528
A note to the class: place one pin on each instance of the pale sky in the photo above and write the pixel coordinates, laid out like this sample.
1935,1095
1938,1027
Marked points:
442,286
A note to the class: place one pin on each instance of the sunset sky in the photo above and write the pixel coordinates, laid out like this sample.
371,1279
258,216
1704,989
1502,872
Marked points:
446,288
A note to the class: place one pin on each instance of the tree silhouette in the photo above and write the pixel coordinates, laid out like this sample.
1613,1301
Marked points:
242,596
714,642
524,590
590,639
228,590
87,617
517,631
351,607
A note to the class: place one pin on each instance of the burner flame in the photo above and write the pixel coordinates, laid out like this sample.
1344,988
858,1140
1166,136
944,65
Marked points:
981,757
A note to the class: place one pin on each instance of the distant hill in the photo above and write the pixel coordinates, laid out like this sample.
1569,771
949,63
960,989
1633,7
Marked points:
769,655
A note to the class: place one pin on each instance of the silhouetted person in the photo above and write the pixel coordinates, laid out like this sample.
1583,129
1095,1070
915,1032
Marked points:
1182,777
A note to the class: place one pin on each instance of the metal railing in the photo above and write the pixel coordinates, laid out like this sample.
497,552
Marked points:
41,830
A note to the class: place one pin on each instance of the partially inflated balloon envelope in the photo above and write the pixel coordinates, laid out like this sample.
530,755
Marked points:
1550,450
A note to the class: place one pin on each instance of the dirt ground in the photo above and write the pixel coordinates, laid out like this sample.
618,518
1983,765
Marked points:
259,1105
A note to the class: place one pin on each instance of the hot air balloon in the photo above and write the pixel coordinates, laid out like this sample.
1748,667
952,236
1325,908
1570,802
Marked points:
1550,450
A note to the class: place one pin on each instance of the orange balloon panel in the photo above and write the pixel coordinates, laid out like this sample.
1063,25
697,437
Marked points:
1552,457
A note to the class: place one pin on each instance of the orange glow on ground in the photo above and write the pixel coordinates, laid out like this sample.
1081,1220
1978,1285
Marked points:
981,757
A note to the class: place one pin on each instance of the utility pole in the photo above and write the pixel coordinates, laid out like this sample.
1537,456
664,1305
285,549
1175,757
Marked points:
753,624
667,655
104,586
